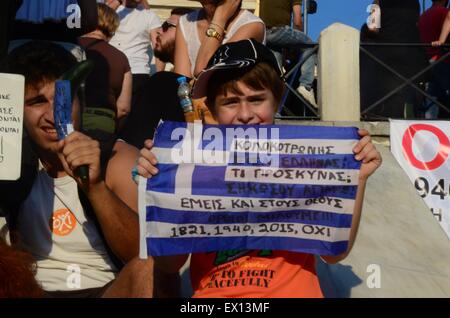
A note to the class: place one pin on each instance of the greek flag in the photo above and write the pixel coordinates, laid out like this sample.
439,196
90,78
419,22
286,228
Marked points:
269,187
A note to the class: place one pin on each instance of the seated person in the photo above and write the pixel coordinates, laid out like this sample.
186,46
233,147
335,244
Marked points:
276,14
109,85
201,32
249,96
87,228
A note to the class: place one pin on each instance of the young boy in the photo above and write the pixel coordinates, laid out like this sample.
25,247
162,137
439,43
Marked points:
73,228
243,87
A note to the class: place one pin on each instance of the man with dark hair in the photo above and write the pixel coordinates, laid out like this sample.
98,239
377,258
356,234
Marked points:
79,231
165,40
161,89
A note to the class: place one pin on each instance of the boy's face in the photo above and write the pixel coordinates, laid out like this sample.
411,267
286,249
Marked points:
252,107
38,115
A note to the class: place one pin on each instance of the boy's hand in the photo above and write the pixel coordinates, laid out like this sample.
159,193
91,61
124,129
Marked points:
147,161
78,150
366,152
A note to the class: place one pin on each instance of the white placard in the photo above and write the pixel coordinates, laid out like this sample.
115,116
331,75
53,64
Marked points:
422,148
12,93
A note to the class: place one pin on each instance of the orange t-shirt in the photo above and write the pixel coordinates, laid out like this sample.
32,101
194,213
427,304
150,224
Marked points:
254,274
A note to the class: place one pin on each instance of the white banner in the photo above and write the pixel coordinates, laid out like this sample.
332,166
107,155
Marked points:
422,149
11,125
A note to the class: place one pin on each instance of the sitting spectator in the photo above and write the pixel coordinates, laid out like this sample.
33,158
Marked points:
136,37
201,32
231,94
431,23
276,14
109,86
88,228
165,40
161,89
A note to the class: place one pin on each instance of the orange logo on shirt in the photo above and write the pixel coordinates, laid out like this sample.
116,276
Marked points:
62,222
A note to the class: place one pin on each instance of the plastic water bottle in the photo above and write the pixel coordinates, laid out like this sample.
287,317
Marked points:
183,92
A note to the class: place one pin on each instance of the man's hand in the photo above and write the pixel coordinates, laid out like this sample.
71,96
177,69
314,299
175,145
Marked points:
78,150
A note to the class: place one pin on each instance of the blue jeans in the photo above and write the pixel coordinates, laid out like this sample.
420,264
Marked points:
438,87
284,37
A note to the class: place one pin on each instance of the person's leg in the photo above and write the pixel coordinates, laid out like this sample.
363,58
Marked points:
441,73
135,280
286,37
139,279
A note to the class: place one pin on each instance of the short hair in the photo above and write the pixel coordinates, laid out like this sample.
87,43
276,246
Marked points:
181,11
108,20
258,77
39,62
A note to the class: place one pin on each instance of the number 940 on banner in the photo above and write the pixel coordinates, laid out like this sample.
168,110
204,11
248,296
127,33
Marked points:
432,188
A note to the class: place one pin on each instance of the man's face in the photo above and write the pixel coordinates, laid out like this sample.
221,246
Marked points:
165,41
38,115
113,4
251,107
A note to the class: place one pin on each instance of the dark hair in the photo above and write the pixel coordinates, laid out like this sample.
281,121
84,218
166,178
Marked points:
17,270
39,62
181,11
258,77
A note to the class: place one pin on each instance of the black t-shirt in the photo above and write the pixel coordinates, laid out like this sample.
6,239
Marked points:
161,92
399,20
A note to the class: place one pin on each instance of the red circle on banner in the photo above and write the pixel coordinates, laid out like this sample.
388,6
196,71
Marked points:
442,155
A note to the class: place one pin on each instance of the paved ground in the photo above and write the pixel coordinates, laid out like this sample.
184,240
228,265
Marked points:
399,235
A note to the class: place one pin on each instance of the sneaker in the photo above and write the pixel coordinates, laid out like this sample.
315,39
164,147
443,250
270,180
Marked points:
307,94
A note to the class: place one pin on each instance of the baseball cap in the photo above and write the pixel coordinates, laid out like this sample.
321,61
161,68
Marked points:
241,54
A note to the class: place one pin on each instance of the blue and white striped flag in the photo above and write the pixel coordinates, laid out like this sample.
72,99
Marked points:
249,187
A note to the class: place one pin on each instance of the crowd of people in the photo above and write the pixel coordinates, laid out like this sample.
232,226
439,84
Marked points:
62,226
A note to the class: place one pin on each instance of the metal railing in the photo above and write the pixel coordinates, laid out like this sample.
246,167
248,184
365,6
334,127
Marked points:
405,81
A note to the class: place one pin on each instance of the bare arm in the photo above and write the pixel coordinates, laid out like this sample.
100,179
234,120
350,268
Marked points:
123,103
210,45
297,10
146,166
371,160
114,208
182,61
444,32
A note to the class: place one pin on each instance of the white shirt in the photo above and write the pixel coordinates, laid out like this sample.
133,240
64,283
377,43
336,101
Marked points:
133,37
188,26
68,248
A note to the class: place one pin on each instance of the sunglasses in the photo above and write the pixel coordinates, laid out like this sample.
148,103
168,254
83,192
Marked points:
167,25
